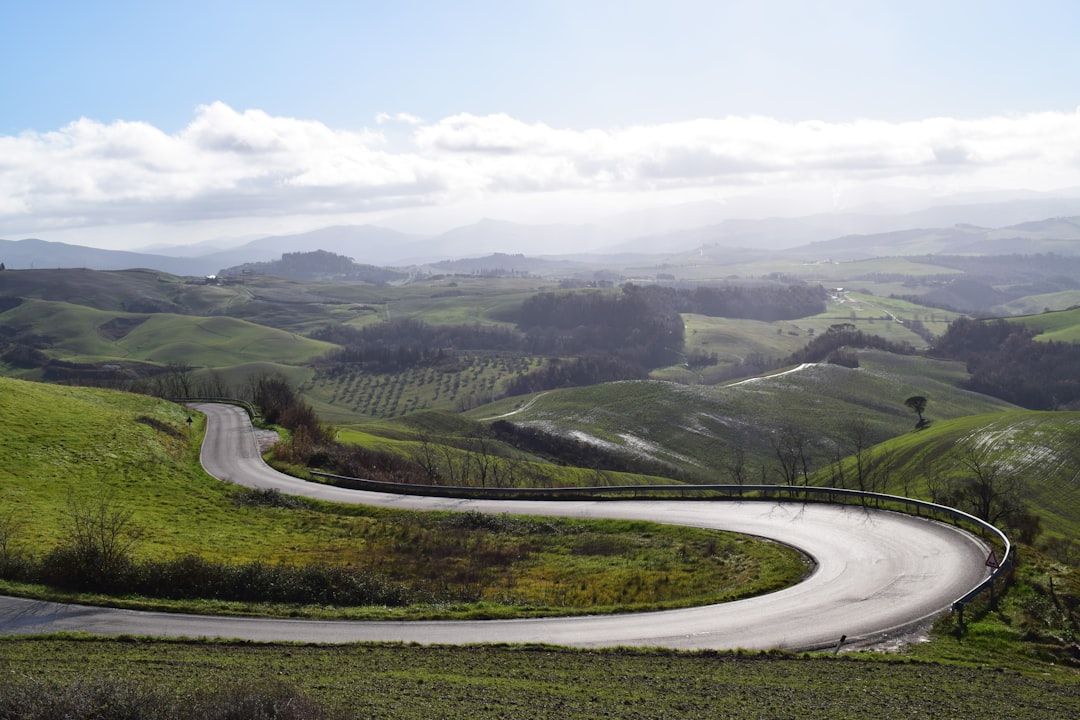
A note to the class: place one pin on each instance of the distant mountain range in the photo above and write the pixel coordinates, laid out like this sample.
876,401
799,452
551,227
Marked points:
1016,226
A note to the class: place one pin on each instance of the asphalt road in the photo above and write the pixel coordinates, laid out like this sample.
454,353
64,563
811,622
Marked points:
877,574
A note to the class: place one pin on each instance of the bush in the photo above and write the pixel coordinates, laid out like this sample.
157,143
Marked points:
82,568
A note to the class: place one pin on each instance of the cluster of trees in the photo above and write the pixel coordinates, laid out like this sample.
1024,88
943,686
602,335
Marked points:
1006,361
987,281
767,303
22,350
401,344
319,265
611,336
831,346
640,324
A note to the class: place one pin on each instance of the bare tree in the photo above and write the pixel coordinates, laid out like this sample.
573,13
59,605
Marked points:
101,534
792,449
837,476
482,459
10,526
506,472
455,466
213,385
736,465
176,380
427,458
988,489
861,442
881,470
937,487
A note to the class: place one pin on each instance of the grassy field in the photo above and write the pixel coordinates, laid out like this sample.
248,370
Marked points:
1059,326
409,681
66,447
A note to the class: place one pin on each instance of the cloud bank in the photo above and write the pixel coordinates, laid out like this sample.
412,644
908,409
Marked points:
228,164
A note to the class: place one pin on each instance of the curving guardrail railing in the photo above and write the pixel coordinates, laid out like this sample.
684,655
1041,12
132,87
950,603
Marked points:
252,411
721,492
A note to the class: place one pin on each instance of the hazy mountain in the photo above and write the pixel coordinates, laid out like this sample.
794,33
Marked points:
1055,235
366,244
779,233
32,253
496,236
1007,226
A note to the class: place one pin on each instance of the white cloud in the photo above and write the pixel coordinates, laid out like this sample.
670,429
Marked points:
235,165
405,118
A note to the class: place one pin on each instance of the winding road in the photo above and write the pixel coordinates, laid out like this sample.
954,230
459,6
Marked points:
877,574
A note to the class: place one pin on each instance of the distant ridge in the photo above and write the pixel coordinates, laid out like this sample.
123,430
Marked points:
1039,225
41,255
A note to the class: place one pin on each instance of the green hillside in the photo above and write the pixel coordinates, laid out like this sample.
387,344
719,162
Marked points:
64,445
699,429
1040,449
84,334
1041,303
1059,326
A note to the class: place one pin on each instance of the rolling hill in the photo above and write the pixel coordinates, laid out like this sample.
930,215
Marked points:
1056,326
700,431
82,334
1041,450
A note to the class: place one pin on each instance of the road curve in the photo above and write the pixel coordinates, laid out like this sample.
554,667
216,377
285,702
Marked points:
877,574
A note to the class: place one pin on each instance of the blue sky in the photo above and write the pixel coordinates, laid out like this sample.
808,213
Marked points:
127,122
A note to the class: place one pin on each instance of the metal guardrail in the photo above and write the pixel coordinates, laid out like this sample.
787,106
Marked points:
252,411
789,493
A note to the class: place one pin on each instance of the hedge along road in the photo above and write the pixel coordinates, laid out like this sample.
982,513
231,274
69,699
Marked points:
877,574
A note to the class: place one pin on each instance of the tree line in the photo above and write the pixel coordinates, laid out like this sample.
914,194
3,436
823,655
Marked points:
1006,361
767,303
833,344
402,344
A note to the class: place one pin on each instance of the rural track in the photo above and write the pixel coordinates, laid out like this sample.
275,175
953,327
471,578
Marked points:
876,574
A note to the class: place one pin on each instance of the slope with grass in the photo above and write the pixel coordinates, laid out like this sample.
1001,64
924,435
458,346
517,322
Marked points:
1041,449
83,334
1043,302
1057,326
700,429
